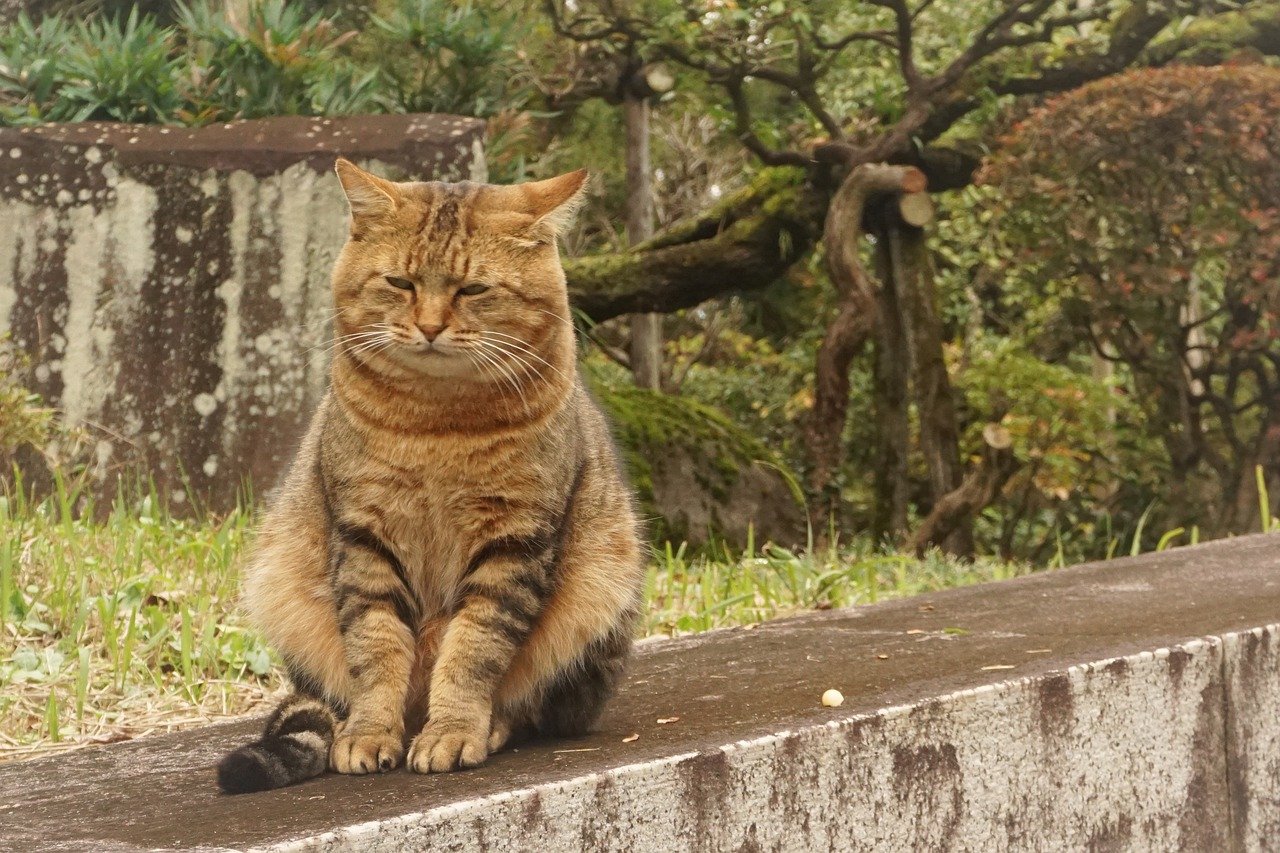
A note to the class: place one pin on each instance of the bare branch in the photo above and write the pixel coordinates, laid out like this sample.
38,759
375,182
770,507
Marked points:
905,47
1131,33
883,37
991,38
979,489
804,89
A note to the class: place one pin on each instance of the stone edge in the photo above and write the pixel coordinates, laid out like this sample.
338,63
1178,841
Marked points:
473,811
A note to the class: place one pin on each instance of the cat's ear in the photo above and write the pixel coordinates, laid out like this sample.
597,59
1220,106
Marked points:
553,204
369,196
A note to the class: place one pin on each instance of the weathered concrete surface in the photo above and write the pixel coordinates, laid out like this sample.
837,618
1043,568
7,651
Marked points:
1140,711
172,285
1253,737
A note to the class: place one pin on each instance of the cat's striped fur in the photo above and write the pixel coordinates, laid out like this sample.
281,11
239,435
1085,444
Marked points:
454,556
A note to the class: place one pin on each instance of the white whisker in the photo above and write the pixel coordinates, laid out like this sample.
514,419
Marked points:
513,357
475,355
507,374
371,347
564,320
380,341
512,341
329,315
530,373
339,341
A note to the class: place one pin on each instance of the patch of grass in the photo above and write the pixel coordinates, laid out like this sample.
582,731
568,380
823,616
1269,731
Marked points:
120,623
118,627
692,594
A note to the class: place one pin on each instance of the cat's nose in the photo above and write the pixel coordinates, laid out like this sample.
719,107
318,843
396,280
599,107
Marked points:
430,332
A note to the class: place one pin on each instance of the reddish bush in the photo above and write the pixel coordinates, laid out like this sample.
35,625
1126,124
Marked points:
1148,205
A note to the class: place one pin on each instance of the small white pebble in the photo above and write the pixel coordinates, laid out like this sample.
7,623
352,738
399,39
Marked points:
833,698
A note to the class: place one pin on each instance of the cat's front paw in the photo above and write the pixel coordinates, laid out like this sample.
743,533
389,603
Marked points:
366,749
448,745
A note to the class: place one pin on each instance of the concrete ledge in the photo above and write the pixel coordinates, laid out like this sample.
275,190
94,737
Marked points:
1140,709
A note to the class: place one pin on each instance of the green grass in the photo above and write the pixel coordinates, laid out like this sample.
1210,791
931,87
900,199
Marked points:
688,595
115,624
115,628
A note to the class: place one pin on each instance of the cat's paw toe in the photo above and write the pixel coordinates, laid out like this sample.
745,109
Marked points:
364,751
441,748
499,734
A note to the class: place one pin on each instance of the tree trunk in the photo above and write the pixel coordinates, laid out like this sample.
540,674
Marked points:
892,386
958,507
646,329
855,320
934,396
846,336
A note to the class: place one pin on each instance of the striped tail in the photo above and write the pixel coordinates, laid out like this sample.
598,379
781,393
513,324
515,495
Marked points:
294,747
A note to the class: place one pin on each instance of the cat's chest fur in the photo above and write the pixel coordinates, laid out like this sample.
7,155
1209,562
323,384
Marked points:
435,505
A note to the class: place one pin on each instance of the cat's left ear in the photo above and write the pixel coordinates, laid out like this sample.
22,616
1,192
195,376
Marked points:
553,204
369,196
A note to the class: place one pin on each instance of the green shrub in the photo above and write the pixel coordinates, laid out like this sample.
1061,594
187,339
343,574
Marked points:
119,70
1155,233
103,68
31,67
278,61
276,58
441,56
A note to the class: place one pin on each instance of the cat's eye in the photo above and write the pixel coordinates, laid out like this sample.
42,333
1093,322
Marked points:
474,289
402,283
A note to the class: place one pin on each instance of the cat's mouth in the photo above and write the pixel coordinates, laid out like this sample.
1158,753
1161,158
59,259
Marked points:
433,348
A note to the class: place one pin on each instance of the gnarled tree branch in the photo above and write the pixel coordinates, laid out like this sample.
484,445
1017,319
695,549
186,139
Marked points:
745,242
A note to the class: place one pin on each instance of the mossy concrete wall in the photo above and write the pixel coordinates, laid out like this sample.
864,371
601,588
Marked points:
172,286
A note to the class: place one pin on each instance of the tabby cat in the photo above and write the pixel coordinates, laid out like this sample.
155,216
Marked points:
453,558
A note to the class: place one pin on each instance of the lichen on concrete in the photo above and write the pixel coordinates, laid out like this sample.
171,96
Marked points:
172,286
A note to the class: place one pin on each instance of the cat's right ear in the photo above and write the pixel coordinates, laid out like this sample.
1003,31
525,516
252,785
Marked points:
369,196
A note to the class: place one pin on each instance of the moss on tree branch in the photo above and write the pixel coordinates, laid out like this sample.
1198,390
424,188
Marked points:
1208,41
745,242
751,237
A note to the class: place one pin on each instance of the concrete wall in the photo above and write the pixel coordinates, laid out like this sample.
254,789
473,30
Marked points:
1161,750
1131,705
172,286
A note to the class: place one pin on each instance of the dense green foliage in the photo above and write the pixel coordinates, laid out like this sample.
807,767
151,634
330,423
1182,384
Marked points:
278,61
449,57
277,58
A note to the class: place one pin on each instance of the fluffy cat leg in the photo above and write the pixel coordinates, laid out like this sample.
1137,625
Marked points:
501,599
376,615
575,655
